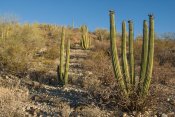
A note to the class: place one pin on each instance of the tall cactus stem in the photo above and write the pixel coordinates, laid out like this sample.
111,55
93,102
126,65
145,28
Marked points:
62,54
85,37
144,57
124,56
115,60
150,58
67,62
131,53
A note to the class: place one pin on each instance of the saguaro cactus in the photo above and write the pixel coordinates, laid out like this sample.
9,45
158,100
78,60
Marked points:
115,60
85,41
150,58
127,79
63,71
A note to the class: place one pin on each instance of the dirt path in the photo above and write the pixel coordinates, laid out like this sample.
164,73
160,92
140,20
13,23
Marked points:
47,100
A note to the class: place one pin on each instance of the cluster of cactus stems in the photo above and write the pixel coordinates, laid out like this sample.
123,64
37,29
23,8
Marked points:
126,77
63,69
85,41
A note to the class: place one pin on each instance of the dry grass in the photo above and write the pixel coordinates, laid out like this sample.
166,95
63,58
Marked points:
100,63
18,48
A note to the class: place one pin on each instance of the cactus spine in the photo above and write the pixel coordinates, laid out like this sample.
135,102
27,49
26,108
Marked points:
115,59
85,41
124,56
150,58
131,53
144,54
63,71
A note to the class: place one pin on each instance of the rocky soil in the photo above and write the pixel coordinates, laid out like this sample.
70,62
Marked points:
45,98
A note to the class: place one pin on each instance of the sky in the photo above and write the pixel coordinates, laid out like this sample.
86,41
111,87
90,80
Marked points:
93,13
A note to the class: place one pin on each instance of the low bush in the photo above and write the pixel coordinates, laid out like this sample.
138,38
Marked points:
18,47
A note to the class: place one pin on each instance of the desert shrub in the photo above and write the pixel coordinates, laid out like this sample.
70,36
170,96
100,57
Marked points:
110,98
50,32
13,57
18,47
52,53
100,62
102,34
165,51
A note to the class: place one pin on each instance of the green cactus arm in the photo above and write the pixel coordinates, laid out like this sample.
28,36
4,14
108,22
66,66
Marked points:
149,70
82,41
62,54
87,41
67,62
124,56
144,57
131,53
86,38
115,60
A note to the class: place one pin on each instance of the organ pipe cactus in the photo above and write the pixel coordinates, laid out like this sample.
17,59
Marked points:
126,76
86,40
64,68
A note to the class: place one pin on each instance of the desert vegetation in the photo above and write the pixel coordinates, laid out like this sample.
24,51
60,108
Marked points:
51,70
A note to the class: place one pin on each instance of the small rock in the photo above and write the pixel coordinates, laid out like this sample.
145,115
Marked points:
164,115
139,114
146,114
172,114
159,113
28,108
89,72
168,99
124,115
66,89
7,77
134,112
